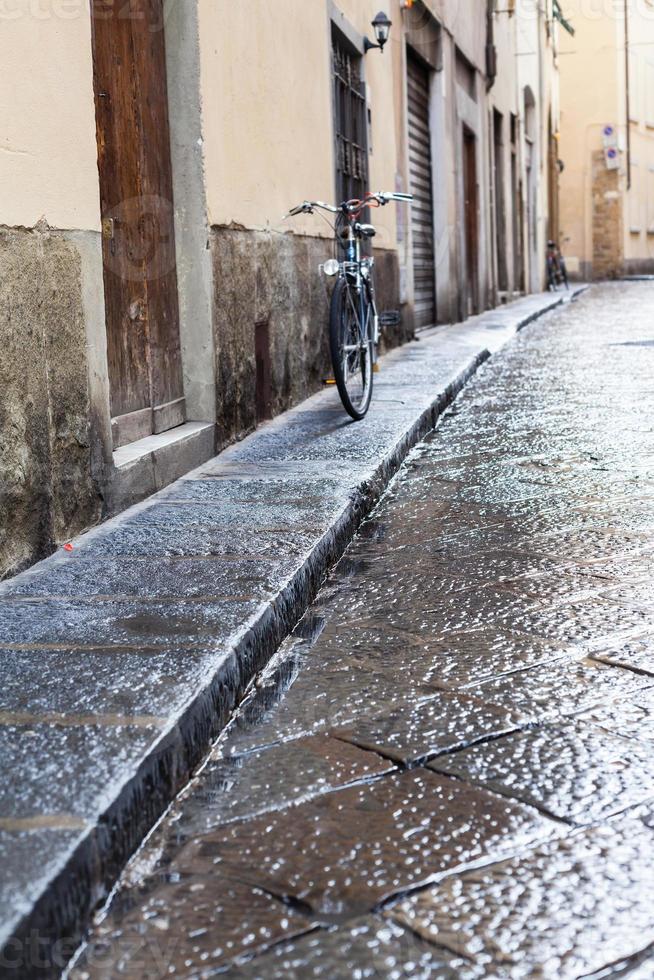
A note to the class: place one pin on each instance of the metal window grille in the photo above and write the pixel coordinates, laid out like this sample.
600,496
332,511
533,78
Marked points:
350,124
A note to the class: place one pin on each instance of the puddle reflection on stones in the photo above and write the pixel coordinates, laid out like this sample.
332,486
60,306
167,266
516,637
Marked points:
184,925
370,947
329,679
350,672
631,717
638,967
561,911
444,723
578,773
467,658
318,701
235,787
433,614
342,853
563,687
561,585
636,654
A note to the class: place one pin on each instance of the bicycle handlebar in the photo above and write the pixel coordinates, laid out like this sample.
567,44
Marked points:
350,207
385,196
307,207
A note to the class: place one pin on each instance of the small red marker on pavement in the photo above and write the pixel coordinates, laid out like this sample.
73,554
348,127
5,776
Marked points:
68,546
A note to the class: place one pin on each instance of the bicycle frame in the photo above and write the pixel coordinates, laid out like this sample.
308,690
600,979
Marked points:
356,272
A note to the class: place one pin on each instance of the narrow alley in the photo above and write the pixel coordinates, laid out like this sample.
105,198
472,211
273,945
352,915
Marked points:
446,770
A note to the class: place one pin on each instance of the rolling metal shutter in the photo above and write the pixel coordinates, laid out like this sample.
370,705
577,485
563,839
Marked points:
422,216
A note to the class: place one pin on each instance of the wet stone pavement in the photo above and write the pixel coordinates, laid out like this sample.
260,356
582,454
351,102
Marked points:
447,770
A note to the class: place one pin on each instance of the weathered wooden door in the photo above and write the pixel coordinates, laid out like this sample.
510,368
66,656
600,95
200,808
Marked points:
471,219
136,196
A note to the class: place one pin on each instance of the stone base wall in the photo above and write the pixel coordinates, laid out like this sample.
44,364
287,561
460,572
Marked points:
608,249
47,493
639,267
53,478
270,282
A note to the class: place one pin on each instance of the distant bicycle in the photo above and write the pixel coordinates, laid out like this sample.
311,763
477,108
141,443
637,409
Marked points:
354,323
557,274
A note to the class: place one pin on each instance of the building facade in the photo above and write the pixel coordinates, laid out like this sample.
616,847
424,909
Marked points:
155,306
607,139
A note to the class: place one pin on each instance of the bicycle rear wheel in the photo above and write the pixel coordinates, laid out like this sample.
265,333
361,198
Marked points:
352,355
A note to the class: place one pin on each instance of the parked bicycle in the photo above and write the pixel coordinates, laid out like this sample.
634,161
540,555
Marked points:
557,274
354,323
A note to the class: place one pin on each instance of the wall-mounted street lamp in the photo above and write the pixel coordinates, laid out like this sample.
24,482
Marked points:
381,25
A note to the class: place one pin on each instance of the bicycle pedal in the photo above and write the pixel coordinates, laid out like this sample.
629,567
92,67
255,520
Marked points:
375,369
329,381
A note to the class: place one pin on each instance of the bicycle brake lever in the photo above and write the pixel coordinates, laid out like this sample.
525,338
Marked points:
302,209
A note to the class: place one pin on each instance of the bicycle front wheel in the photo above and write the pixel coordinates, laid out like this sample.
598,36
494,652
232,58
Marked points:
350,344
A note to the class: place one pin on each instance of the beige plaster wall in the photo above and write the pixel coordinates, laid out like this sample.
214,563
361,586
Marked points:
465,20
590,99
384,78
266,99
267,111
639,198
48,157
592,95
504,92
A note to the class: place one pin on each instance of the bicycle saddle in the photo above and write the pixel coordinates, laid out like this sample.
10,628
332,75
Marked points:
366,231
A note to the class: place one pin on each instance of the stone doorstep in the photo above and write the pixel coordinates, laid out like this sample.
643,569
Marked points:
138,764
150,464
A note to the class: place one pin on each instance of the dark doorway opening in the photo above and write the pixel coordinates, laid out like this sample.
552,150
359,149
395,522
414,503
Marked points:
471,220
517,215
500,202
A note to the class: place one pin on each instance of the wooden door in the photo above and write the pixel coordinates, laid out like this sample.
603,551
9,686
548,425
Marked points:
136,197
516,223
471,219
422,208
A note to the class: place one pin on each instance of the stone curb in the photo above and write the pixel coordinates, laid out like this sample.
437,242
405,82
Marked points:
85,863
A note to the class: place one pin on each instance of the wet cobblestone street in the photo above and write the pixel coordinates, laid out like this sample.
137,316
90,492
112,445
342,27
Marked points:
447,769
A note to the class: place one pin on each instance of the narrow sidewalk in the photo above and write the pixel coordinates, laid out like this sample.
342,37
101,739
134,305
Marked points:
123,659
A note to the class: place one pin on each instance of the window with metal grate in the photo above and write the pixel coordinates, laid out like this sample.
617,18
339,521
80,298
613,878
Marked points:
350,123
